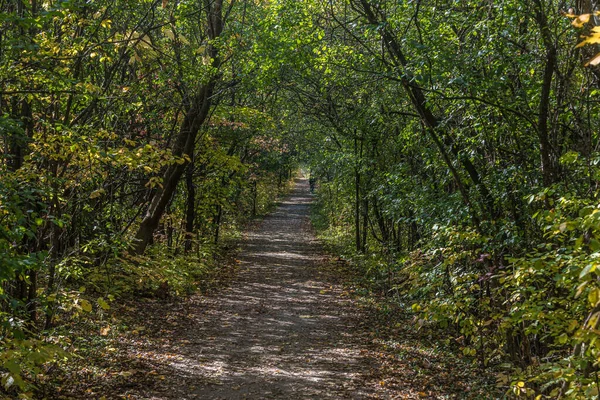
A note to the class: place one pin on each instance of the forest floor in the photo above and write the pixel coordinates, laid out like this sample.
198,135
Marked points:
284,327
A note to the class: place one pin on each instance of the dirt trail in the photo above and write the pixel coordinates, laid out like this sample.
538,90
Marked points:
279,331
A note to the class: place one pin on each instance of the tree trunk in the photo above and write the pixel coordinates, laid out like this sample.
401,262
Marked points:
429,120
217,222
254,198
548,172
357,198
185,141
190,212
32,298
365,229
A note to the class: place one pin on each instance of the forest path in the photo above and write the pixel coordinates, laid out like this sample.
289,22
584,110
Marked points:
279,331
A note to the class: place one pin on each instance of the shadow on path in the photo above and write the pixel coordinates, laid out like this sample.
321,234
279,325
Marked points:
278,331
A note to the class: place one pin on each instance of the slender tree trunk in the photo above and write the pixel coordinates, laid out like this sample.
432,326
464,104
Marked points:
184,144
548,172
217,222
383,227
357,197
365,206
190,212
429,120
254,198
32,297
365,229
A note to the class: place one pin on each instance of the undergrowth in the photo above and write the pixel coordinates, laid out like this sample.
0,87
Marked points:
396,328
96,303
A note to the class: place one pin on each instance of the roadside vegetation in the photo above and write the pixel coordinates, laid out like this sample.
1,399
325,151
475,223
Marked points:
454,146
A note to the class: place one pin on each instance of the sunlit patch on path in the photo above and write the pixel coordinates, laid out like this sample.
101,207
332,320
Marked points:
279,331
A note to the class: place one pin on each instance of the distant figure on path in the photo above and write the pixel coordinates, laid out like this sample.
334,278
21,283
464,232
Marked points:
311,182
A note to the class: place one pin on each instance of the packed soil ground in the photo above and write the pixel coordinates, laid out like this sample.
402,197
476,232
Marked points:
283,328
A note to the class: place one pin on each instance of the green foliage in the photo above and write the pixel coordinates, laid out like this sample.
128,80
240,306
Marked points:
455,148
470,225
92,98
24,359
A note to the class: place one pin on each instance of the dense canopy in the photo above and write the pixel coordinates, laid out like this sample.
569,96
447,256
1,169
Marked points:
454,145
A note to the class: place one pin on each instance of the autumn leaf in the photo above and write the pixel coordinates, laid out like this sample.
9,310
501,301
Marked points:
97,193
581,20
592,39
86,305
104,331
103,304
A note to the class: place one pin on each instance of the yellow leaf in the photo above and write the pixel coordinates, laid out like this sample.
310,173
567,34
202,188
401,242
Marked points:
86,305
521,384
594,296
593,320
592,39
145,42
502,380
97,193
581,20
102,303
169,33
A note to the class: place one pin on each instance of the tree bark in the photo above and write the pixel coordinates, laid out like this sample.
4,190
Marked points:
429,120
190,212
195,116
184,145
357,198
548,172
